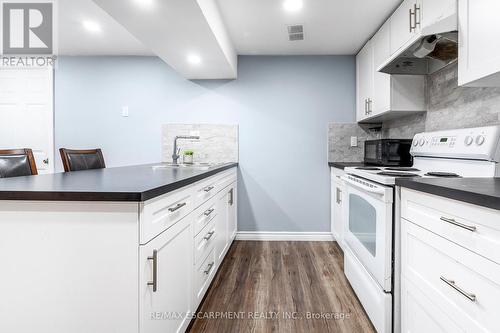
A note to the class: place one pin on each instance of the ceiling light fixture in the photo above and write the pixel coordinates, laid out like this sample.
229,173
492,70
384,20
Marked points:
194,59
91,26
293,5
145,4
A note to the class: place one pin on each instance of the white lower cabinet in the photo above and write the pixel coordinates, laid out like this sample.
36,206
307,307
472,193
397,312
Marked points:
106,267
226,221
337,204
165,292
449,284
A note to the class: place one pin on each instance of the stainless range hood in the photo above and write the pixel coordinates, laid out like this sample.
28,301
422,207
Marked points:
433,47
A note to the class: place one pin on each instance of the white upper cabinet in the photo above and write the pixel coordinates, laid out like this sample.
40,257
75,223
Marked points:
382,96
364,80
479,48
403,25
381,81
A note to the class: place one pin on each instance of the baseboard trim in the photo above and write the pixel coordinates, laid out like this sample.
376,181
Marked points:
284,236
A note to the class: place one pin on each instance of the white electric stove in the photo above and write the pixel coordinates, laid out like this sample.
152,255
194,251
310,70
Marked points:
372,206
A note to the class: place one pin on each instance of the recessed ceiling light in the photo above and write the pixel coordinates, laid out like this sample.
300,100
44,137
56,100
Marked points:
91,26
145,4
293,5
194,59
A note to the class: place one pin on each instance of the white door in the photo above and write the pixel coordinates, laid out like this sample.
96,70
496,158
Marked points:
479,49
364,80
381,81
165,277
26,113
221,226
368,230
403,25
232,212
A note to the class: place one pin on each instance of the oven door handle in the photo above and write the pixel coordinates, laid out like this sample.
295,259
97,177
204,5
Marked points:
376,190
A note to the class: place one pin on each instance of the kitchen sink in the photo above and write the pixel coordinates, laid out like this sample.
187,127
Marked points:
196,166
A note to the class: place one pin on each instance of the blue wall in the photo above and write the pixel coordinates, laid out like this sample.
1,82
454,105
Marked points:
282,104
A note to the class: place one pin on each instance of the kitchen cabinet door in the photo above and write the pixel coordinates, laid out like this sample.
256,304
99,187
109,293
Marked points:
403,25
381,100
165,277
364,80
431,11
479,49
232,212
337,208
221,226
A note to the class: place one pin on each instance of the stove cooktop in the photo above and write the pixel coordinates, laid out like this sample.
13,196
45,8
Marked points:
397,174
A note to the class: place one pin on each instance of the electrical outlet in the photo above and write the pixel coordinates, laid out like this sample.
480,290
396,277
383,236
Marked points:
124,111
354,141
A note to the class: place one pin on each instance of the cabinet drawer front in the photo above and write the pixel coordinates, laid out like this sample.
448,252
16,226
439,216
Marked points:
475,228
204,242
204,214
160,213
203,276
463,284
207,188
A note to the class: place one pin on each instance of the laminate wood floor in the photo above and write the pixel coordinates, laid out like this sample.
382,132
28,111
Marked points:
281,287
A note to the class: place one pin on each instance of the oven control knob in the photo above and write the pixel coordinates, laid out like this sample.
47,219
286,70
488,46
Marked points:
479,140
468,140
421,142
415,142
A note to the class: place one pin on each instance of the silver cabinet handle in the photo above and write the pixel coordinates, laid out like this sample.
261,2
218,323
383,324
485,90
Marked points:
369,105
231,197
178,206
412,27
208,188
458,224
366,106
338,196
451,283
209,268
209,235
208,212
154,257
417,9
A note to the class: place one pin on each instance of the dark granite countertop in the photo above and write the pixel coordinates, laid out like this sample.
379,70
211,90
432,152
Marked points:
477,191
343,165
131,183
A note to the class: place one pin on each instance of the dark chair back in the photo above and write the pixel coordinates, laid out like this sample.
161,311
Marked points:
76,160
17,162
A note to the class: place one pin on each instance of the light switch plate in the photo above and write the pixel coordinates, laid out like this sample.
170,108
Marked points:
354,141
124,111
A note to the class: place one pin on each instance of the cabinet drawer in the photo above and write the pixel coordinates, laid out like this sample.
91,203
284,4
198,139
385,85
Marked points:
204,214
160,213
473,227
462,284
203,276
207,188
204,242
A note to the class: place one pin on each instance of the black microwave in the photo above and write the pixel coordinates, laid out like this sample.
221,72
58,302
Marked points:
389,152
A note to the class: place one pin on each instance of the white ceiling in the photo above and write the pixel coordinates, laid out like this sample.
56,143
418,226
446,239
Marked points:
330,26
73,39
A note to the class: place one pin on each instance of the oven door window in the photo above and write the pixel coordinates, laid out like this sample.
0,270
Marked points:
363,222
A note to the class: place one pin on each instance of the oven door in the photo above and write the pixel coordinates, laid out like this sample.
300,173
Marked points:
368,226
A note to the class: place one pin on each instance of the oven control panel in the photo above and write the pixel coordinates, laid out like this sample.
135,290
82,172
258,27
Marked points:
480,143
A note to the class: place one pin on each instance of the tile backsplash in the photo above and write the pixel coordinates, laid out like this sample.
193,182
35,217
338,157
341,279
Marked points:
218,143
448,106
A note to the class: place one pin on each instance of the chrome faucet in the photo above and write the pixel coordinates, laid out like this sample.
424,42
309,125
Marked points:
175,154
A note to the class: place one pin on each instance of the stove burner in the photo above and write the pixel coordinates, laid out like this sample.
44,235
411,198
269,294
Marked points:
402,169
442,174
368,168
397,174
